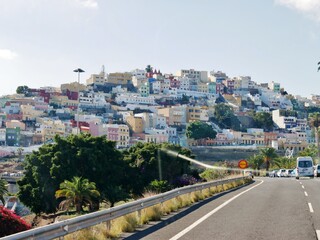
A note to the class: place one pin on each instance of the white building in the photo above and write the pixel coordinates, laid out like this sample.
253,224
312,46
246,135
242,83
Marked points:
92,99
283,122
184,83
135,99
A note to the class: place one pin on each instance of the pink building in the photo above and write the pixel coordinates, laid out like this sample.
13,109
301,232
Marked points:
112,133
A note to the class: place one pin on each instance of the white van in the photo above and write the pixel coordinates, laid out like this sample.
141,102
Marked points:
304,167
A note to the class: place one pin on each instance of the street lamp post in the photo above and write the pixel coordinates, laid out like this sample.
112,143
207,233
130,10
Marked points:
78,70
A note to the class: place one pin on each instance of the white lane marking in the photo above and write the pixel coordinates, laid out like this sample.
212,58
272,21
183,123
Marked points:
305,193
302,186
310,208
318,234
196,223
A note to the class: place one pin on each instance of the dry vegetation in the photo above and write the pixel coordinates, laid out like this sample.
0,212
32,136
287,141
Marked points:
131,221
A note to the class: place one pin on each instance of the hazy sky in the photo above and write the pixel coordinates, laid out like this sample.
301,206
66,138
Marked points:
43,41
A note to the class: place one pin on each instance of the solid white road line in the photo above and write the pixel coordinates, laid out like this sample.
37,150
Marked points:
318,234
305,193
196,223
310,208
302,186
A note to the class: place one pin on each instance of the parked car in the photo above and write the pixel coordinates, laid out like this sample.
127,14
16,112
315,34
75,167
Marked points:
288,172
281,173
294,172
317,170
273,173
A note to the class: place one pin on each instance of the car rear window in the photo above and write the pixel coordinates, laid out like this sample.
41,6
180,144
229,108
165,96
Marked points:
305,164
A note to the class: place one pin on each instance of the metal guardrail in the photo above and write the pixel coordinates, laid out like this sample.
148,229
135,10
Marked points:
65,227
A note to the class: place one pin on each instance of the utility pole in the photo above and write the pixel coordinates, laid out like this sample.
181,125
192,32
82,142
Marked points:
78,70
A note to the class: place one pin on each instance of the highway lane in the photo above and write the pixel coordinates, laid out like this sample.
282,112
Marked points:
311,190
276,209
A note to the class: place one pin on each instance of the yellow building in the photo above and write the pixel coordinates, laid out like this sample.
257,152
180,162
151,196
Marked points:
174,115
52,128
29,113
135,123
120,78
203,87
124,136
292,145
250,139
15,123
98,79
63,101
197,113
72,87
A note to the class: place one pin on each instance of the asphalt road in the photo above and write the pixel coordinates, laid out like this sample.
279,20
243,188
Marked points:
270,208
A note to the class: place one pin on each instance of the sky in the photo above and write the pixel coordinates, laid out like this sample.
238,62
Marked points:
43,41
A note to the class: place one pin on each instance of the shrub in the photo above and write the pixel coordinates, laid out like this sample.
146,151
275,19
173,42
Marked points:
159,186
185,180
11,223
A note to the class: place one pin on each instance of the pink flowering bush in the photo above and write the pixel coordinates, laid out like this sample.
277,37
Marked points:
10,223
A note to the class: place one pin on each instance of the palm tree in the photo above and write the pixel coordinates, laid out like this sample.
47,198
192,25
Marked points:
78,192
256,161
268,154
314,120
3,190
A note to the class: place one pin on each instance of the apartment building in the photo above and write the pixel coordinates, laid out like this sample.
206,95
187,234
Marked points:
15,124
97,79
50,128
64,101
191,73
29,113
274,86
71,90
119,78
176,115
135,99
197,113
135,124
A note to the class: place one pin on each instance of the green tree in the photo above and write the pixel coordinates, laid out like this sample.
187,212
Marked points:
314,120
148,69
263,120
22,90
311,151
198,130
144,159
268,155
77,192
93,158
19,152
225,118
185,99
284,162
3,190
